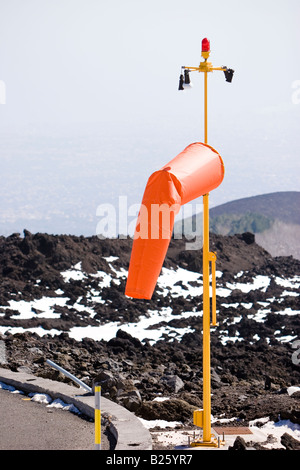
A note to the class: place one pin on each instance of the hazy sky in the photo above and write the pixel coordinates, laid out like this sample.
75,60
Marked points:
101,77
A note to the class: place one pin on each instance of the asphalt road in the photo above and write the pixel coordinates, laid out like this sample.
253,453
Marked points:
28,425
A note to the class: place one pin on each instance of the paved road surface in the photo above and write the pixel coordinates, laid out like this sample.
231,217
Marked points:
27,425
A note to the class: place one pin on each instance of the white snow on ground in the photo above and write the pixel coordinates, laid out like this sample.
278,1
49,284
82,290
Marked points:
138,330
177,282
276,430
160,423
170,277
293,389
44,399
74,273
39,330
44,305
179,438
188,283
259,282
294,282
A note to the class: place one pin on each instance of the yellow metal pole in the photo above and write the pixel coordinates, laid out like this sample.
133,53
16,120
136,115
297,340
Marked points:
202,418
206,299
97,418
206,325
205,107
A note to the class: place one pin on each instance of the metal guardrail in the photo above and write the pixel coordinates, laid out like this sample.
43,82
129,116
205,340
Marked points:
71,376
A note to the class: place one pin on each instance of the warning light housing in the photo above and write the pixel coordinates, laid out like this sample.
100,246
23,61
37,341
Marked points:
205,45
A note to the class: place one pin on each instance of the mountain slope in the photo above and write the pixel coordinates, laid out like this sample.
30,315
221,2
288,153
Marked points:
284,206
273,217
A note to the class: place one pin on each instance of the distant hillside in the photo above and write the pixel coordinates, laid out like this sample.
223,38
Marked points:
274,218
284,206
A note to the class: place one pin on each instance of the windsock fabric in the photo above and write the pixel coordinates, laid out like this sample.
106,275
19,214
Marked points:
194,172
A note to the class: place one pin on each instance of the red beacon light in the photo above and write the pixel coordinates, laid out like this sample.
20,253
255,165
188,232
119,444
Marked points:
205,45
205,48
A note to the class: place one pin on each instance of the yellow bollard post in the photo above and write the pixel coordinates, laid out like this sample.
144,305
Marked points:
97,417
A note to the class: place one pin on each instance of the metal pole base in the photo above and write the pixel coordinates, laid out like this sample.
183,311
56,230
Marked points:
214,442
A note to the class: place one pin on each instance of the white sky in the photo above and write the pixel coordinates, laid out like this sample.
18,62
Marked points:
86,60
111,68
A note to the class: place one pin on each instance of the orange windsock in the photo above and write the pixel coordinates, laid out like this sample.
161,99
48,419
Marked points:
196,171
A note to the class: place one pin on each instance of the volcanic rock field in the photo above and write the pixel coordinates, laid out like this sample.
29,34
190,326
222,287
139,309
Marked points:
62,298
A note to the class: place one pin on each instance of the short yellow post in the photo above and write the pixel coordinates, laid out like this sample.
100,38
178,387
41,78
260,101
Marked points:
97,417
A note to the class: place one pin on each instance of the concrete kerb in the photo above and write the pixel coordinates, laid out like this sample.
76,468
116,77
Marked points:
127,429
129,432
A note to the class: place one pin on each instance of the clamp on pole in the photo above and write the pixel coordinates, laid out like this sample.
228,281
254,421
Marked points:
212,258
